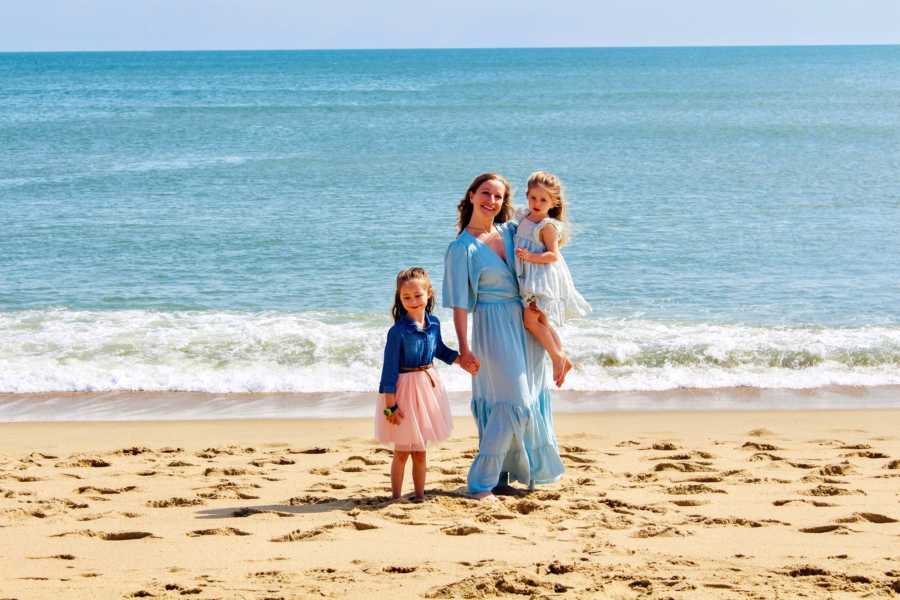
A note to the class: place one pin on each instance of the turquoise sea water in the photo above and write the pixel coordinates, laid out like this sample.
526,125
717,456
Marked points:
232,221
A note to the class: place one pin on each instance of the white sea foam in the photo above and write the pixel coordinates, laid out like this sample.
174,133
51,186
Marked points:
220,352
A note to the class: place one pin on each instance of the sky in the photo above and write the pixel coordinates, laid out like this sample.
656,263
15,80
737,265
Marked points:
62,25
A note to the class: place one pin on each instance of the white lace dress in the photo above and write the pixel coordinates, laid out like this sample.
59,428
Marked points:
550,286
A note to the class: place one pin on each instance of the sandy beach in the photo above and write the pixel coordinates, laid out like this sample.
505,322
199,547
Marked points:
653,505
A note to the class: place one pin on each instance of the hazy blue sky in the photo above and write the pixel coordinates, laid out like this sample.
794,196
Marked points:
213,24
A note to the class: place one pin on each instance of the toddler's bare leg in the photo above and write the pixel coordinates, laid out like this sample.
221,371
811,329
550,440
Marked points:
418,472
544,321
567,364
398,466
536,323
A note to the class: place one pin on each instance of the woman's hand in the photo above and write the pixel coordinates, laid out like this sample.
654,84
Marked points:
469,362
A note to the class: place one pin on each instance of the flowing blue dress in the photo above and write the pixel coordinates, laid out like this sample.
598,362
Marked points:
510,393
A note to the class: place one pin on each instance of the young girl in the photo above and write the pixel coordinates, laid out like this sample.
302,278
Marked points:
415,409
544,280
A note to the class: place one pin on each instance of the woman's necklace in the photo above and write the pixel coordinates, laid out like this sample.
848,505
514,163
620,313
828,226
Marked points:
479,231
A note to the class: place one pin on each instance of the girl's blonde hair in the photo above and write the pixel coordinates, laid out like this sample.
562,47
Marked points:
405,276
553,186
464,209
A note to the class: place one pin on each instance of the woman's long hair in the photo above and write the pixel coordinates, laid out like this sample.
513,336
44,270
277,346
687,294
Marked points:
405,276
464,209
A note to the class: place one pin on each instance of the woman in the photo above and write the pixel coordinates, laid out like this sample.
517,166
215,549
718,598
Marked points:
510,398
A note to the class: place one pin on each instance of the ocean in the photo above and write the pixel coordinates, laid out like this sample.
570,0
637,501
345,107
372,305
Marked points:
232,222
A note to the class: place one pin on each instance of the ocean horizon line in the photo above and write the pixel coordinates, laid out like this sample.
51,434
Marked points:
454,48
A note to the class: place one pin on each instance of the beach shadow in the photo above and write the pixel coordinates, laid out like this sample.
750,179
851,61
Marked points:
305,505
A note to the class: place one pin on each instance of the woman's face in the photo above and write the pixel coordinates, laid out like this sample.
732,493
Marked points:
487,199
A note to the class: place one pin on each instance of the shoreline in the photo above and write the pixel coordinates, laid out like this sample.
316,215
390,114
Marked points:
176,406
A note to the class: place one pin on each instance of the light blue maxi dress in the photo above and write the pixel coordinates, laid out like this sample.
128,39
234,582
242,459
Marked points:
510,394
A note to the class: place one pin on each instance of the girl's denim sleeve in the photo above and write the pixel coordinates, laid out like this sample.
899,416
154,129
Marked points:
390,370
442,351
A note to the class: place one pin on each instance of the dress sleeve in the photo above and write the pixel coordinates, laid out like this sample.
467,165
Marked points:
520,213
457,289
441,350
390,369
557,225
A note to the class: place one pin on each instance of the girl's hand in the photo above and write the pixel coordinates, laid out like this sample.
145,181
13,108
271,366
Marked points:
395,417
523,254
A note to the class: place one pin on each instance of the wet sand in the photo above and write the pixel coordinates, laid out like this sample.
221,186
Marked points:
176,406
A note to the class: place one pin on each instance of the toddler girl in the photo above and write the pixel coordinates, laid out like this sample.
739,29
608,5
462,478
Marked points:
415,409
545,283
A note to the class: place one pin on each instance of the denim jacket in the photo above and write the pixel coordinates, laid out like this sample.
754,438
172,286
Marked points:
408,347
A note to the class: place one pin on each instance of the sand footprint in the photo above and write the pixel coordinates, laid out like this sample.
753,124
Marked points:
816,503
830,490
867,454
694,488
175,502
249,512
108,536
460,530
399,569
759,447
653,531
313,450
828,529
85,461
666,446
866,516
684,467
301,535
217,531
105,491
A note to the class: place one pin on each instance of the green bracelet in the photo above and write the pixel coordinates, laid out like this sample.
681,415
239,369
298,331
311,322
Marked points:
388,411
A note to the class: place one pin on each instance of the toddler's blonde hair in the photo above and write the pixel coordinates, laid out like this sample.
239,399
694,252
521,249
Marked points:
553,186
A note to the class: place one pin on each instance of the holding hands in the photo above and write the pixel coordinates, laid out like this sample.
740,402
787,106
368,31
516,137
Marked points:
469,362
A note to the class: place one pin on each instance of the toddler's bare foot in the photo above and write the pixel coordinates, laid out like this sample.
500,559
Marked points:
561,367
558,366
567,366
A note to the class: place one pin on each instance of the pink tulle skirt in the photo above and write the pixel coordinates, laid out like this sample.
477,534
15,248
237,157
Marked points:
422,399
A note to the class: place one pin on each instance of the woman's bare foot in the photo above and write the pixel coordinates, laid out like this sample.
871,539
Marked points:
485,497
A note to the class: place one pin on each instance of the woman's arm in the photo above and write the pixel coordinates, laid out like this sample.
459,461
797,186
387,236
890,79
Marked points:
550,239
